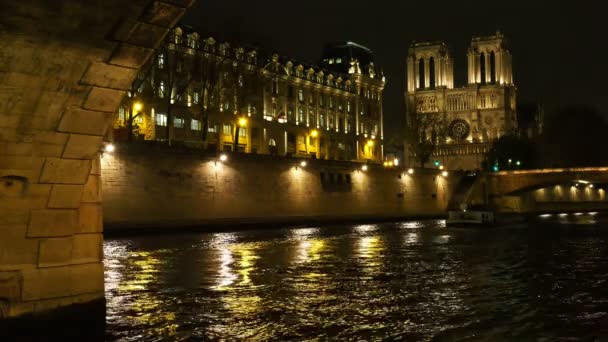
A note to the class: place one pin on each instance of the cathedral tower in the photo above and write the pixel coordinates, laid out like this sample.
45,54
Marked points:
489,61
429,66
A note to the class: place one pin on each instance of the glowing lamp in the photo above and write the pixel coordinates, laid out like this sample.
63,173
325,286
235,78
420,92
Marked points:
410,171
370,143
444,173
223,158
314,133
242,122
303,163
109,148
364,168
138,106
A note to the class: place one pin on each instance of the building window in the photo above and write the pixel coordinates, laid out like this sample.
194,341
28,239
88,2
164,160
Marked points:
242,131
300,114
338,60
311,118
322,120
290,91
161,119
240,80
300,95
311,100
212,128
196,97
191,42
121,113
331,102
178,122
195,125
161,90
161,61
331,121
290,116
348,106
321,100
274,110
227,130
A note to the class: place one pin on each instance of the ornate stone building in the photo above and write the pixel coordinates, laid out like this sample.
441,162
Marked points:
461,121
207,94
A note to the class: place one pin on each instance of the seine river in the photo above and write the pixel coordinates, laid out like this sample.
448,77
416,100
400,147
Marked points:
415,281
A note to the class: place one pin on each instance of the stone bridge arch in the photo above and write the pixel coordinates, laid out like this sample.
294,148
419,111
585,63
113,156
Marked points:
512,182
64,68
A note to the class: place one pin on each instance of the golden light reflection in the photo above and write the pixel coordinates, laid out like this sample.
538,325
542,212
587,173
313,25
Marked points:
411,238
237,261
366,228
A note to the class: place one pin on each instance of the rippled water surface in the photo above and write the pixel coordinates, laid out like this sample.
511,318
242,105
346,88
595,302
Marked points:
543,281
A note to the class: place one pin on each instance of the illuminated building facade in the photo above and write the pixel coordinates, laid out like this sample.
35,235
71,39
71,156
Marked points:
202,93
464,121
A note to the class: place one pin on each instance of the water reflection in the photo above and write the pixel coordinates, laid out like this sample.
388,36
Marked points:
404,280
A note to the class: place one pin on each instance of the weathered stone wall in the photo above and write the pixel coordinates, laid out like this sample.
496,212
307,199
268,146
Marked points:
64,66
167,189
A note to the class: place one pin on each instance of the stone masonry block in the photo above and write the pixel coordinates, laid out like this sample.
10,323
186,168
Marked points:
65,196
15,249
87,248
65,171
96,165
81,146
140,34
109,76
90,218
86,278
162,14
10,285
55,252
103,100
48,282
26,196
77,120
16,149
130,55
92,190
11,216
52,222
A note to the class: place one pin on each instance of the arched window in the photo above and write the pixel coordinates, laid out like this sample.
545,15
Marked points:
432,72
272,142
482,67
421,74
492,67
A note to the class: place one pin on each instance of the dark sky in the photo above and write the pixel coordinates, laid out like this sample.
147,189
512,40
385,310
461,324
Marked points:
559,52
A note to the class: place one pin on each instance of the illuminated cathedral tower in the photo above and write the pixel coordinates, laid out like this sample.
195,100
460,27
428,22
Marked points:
461,121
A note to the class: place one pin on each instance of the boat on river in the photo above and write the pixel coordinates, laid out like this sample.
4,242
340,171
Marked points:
466,217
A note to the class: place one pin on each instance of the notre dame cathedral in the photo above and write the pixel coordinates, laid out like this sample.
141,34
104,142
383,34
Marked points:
462,122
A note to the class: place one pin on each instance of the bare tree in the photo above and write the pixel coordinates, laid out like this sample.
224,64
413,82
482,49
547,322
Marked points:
423,132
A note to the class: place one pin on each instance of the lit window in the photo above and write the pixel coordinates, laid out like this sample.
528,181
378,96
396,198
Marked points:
196,97
121,113
321,120
300,95
348,106
311,118
290,116
161,119
161,89
331,61
191,42
227,130
331,121
242,131
320,99
300,114
178,122
240,80
195,125
161,61
338,60
212,128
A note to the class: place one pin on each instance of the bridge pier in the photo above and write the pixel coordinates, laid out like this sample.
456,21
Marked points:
64,68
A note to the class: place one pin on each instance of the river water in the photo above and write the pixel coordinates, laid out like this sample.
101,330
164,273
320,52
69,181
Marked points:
546,280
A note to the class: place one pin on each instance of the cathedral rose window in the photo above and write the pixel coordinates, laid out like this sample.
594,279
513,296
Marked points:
459,130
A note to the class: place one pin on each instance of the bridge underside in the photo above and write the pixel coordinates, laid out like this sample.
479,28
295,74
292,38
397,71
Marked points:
64,68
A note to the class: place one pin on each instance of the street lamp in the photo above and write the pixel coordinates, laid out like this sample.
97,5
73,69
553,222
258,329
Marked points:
364,168
314,133
138,106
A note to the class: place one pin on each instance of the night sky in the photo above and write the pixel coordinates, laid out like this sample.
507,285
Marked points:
559,52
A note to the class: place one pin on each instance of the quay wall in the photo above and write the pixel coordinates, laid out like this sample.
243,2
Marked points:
160,188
